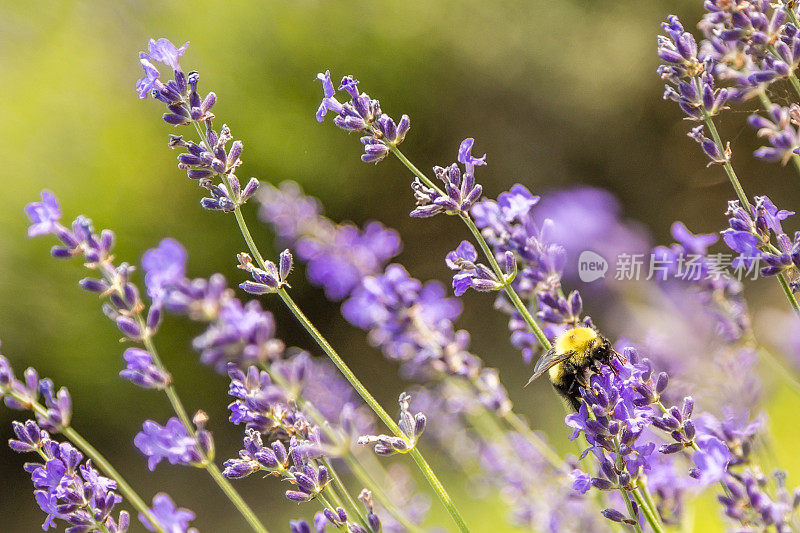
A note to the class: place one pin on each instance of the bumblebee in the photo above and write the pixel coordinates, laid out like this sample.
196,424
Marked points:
575,356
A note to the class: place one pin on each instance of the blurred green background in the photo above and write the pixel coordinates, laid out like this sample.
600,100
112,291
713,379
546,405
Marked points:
557,93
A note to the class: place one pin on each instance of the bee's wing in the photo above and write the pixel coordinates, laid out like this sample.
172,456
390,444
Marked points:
548,360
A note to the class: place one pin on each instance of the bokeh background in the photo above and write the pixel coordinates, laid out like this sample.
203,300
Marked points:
557,93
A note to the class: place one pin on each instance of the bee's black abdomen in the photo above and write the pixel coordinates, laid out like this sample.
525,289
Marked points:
569,388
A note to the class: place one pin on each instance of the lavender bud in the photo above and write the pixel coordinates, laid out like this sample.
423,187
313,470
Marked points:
615,516
249,189
129,327
285,264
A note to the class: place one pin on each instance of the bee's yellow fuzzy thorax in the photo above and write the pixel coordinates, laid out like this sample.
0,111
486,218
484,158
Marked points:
580,341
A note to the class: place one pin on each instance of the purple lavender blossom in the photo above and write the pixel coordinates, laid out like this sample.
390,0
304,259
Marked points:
711,461
164,266
691,84
124,305
750,234
460,191
142,371
779,127
65,487
338,255
171,518
751,44
210,158
267,280
164,51
20,395
412,426
43,215
362,114
470,274
170,442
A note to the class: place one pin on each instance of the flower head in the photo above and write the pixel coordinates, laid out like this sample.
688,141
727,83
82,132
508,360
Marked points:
170,442
164,266
171,518
164,51
43,215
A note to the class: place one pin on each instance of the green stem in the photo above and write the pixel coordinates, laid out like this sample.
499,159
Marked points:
727,164
208,462
367,397
791,13
787,290
325,503
649,513
427,471
629,505
507,287
351,377
100,461
345,493
509,290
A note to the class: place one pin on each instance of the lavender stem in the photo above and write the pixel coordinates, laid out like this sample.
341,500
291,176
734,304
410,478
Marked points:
207,464
740,191
345,493
509,290
351,377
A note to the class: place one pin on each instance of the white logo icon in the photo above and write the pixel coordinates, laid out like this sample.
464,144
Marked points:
591,266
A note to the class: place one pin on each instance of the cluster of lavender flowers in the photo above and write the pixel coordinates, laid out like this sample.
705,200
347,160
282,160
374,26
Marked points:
648,447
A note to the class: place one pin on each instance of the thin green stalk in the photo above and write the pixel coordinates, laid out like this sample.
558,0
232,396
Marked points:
787,290
207,463
727,164
509,290
351,377
743,197
100,461
788,8
325,503
629,505
337,481
650,514
438,487
369,399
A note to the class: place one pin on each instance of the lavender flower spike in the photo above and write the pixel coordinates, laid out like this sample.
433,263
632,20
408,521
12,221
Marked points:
412,427
473,275
265,281
460,190
362,114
